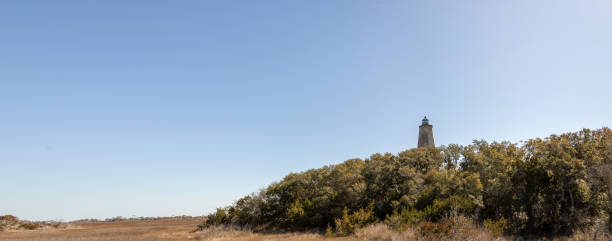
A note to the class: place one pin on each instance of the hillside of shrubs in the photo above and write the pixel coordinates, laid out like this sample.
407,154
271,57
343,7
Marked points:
10,222
556,186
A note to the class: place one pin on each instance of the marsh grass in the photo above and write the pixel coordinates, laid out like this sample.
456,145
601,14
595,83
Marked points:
154,230
174,230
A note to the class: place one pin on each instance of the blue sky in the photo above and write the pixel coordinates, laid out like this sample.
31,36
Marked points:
156,108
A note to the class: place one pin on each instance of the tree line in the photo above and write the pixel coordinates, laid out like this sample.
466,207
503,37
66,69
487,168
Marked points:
552,186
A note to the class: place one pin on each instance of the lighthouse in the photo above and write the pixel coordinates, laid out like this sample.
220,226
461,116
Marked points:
426,134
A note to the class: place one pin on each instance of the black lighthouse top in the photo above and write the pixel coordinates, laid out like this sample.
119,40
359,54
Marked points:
425,121
426,134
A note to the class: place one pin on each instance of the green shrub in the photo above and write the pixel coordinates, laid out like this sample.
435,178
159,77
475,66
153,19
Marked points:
406,218
498,227
219,217
348,224
453,205
298,215
329,232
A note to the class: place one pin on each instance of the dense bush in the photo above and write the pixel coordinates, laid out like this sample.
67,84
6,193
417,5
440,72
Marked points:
29,226
555,185
348,224
496,227
8,222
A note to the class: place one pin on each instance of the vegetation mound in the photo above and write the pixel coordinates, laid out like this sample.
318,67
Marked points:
10,222
558,185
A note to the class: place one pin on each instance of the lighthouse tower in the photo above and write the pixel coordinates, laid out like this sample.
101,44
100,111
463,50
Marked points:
426,134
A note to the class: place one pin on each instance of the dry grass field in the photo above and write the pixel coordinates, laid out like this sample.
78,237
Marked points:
152,230
180,229
110,231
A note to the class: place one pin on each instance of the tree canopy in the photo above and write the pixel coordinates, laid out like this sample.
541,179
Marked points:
550,186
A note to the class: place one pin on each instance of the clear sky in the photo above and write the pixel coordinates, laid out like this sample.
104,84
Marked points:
156,108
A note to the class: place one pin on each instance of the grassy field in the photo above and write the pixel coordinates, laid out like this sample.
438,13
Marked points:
180,229
153,230
110,231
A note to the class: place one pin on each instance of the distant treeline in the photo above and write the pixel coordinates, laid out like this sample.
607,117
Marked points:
121,219
551,186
